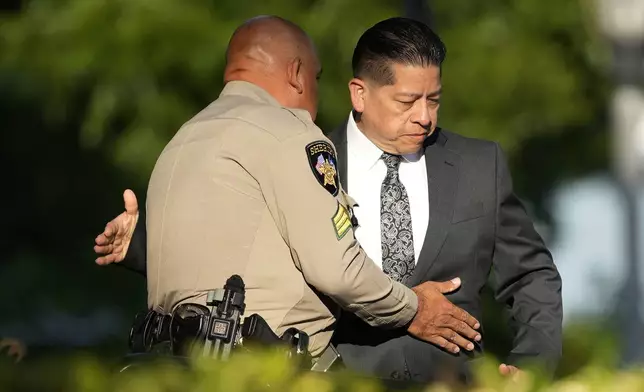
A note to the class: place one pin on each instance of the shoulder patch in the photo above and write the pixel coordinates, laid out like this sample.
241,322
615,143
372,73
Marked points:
323,163
341,222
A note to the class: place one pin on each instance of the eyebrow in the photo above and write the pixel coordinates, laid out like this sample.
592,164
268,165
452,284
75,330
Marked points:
436,93
418,95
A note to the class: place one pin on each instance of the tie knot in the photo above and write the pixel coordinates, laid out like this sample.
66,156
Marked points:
391,161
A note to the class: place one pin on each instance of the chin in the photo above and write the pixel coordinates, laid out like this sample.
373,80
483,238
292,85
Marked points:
411,149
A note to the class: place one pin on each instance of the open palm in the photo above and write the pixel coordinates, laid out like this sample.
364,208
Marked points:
112,244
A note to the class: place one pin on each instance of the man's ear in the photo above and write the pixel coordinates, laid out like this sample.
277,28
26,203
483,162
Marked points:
357,91
295,75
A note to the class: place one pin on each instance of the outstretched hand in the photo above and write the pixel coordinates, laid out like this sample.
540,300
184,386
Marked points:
440,322
112,244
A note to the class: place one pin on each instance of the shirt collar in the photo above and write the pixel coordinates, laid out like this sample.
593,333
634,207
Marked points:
365,153
247,89
257,93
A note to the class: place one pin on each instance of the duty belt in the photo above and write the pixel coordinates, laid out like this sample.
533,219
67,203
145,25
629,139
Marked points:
149,329
218,328
153,331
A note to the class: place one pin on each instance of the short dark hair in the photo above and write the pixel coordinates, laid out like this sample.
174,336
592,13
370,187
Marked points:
396,40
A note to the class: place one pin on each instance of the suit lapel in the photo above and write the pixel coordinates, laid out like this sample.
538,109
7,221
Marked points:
442,180
339,138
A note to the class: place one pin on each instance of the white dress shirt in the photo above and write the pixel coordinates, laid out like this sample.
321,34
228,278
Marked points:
366,172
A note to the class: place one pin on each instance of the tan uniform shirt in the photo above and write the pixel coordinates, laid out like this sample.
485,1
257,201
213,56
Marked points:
251,188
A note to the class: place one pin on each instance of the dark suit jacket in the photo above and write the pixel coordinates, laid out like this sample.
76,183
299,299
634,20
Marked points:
477,226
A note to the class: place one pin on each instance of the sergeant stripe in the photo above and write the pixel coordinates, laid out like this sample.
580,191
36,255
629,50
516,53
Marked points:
345,226
340,216
341,221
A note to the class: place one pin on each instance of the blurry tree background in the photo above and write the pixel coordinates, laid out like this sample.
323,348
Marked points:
93,89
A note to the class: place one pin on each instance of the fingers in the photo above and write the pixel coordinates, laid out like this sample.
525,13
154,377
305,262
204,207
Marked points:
107,236
453,337
131,205
110,253
111,248
104,243
462,328
111,232
456,312
441,287
507,370
504,369
103,249
112,242
449,286
108,259
102,239
105,260
110,229
465,317
445,344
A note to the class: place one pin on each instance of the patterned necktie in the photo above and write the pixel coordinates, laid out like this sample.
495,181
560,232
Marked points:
396,236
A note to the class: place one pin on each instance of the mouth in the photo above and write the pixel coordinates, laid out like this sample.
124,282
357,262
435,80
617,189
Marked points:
418,135
425,133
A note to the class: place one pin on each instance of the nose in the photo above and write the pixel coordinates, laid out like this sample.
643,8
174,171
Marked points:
422,116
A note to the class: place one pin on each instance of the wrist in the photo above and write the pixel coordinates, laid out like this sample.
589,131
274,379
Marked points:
412,324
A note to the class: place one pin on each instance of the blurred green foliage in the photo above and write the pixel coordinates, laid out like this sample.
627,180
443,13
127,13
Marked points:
141,68
92,91
270,371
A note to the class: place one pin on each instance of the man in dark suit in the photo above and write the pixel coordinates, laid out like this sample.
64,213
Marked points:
464,219
433,205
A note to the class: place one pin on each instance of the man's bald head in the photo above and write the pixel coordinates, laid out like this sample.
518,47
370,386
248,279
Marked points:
266,36
278,56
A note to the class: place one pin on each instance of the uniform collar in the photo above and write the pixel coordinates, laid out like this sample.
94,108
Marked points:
247,89
256,93
365,153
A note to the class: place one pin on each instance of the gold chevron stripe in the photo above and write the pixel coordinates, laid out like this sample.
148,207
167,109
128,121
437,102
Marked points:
341,221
